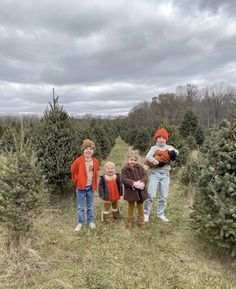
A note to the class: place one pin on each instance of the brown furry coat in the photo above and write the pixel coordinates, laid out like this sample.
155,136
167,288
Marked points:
128,176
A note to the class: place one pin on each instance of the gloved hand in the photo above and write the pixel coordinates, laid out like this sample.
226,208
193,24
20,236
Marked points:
173,155
139,185
161,164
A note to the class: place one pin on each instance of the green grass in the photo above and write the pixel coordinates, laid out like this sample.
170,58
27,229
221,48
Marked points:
167,256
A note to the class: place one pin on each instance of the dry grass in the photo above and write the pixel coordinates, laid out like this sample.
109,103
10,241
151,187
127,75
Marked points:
166,256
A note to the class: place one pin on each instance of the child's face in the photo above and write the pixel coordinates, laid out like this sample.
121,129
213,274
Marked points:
88,152
132,161
161,140
110,170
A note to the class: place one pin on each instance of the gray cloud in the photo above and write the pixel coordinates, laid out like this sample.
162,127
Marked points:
104,57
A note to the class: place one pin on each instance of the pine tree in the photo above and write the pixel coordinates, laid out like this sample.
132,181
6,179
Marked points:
212,137
214,207
179,143
103,145
189,124
142,140
199,135
191,142
22,190
55,143
2,130
7,140
111,131
130,136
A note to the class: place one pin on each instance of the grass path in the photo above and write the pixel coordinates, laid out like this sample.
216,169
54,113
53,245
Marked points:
165,256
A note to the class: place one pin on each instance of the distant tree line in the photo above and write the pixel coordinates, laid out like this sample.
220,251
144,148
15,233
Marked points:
210,105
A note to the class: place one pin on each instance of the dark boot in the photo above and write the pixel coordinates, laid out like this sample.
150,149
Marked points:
130,222
106,218
115,214
141,222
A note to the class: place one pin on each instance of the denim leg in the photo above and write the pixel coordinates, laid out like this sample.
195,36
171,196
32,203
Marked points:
80,198
90,205
164,189
154,182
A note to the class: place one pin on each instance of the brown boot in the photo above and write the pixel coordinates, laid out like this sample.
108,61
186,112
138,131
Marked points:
106,218
130,222
115,214
141,222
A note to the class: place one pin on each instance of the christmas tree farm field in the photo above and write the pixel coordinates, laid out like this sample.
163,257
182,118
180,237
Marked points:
160,256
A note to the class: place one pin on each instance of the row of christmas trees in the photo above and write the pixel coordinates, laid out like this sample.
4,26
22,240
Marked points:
37,162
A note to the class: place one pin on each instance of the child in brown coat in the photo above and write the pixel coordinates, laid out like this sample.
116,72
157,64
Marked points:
134,178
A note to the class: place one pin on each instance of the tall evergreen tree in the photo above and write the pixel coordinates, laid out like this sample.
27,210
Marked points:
22,190
214,207
55,144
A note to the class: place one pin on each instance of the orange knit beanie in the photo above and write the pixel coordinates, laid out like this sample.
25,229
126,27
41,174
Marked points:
162,132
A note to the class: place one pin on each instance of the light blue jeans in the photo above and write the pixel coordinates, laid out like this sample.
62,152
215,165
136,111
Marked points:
158,181
81,196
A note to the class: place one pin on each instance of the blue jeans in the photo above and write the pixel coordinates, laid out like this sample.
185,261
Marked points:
159,181
81,196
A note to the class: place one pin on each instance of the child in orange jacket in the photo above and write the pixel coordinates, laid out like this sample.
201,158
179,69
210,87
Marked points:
84,172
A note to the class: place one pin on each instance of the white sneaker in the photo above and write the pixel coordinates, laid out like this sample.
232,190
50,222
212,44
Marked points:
92,226
78,227
164,219
146,218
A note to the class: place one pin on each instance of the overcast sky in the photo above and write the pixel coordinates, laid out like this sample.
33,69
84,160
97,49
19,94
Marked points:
104,57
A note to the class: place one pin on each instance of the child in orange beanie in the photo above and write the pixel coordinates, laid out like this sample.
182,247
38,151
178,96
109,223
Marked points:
158,158
84,172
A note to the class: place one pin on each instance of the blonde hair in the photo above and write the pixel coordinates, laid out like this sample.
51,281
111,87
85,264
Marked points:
109,164
133,153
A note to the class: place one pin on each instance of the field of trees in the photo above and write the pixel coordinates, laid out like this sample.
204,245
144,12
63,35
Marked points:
39,248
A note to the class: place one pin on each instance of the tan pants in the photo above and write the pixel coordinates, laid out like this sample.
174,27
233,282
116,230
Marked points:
107,206
131,206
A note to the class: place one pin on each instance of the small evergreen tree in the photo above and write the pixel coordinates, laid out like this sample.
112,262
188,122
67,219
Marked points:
142,140
101,140
191,172
191,142
199,135
214,207
2,130
179,143
212,137
22,190
189,124
7,140
130,136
